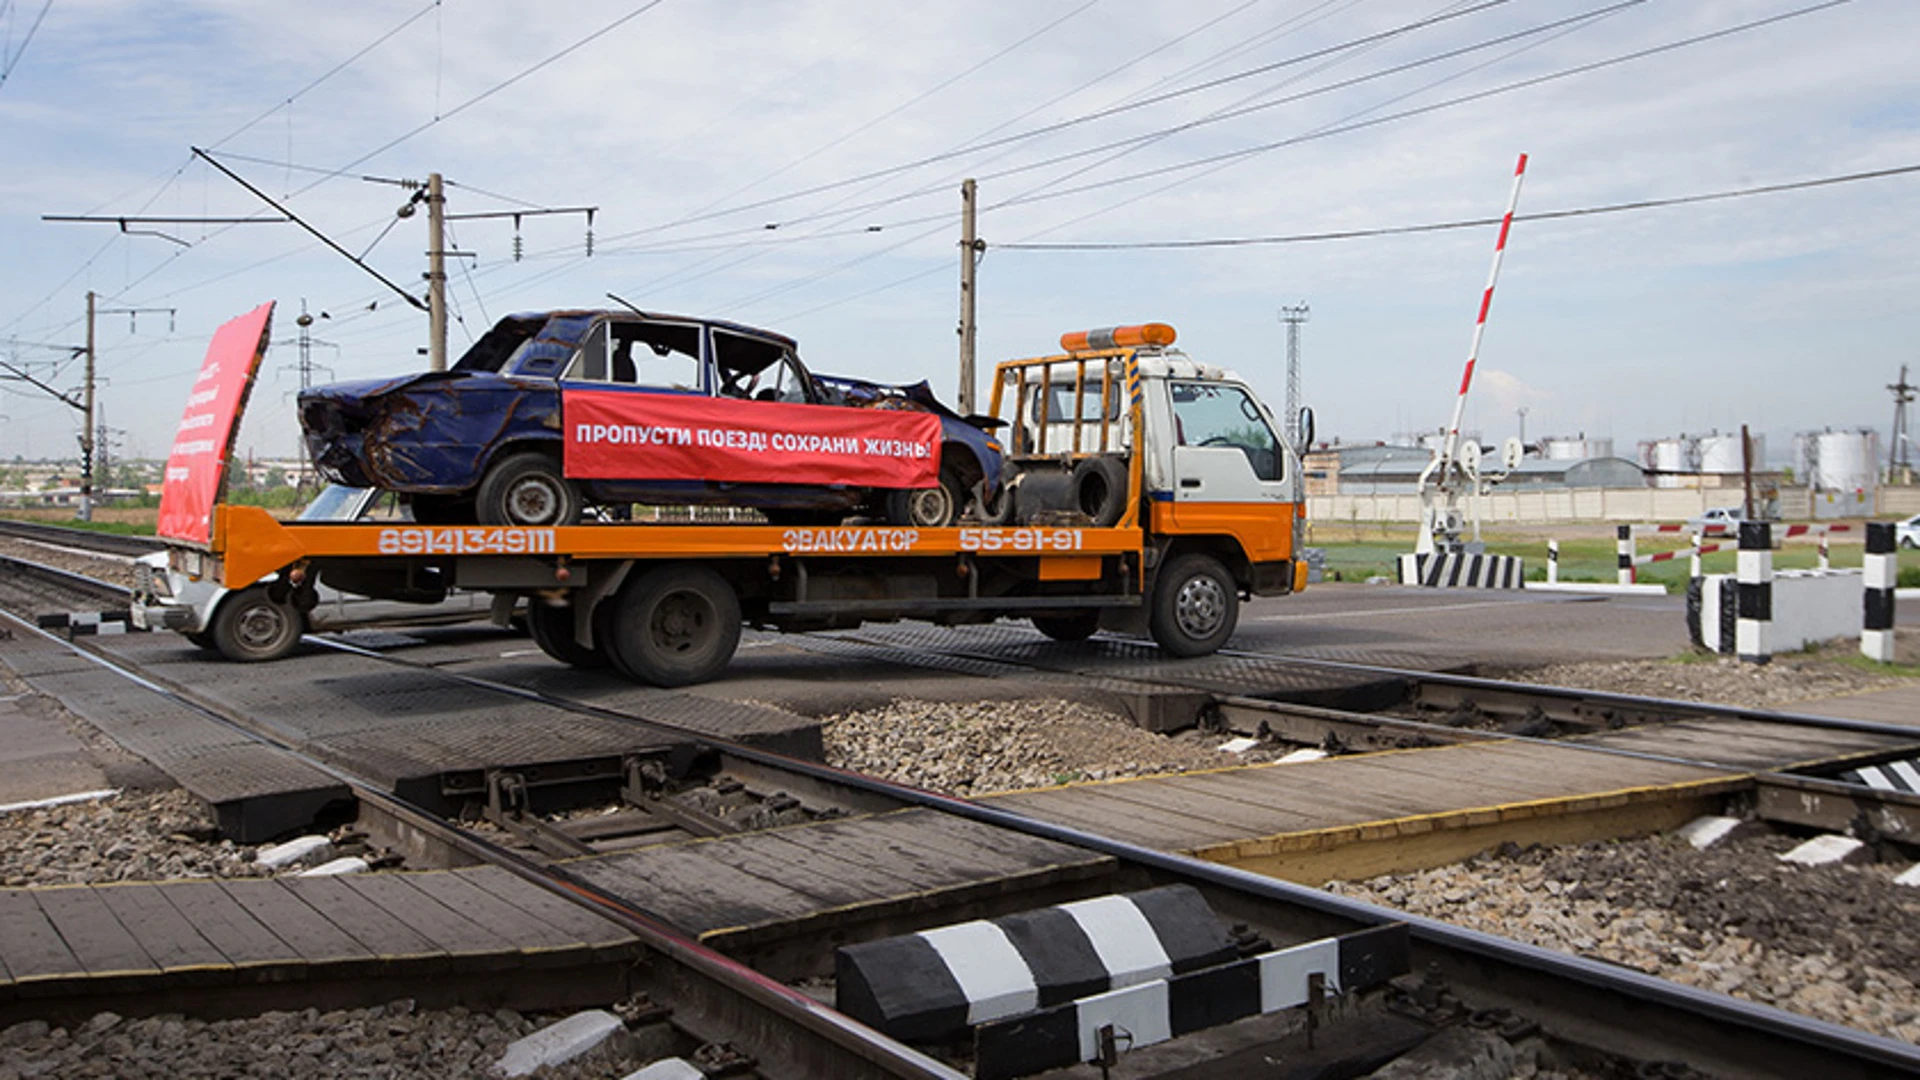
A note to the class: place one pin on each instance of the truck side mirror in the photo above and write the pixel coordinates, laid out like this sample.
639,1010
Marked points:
1306,430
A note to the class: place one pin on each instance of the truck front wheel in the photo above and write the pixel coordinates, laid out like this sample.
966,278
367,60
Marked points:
1196,605
675,625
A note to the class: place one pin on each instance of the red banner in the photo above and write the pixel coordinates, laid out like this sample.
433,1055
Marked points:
196,467
611,435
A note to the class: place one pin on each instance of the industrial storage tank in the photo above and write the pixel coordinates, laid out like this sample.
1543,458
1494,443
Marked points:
1672,462
1838,460
1720,455
1575,448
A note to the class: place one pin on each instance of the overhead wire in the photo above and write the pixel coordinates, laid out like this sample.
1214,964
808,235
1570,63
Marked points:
1464,223
1559,29
1423,110
13,61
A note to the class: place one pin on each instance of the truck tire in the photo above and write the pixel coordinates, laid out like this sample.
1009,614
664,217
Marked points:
1100,489
552,630
249,627
527,489
928,508
674,625
1078,626
1196,605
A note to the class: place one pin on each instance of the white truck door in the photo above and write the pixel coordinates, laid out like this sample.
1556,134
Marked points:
1229,470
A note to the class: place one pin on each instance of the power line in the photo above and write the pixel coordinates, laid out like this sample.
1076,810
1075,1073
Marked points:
1048,129
1480,95
331,72
14,60
1470,223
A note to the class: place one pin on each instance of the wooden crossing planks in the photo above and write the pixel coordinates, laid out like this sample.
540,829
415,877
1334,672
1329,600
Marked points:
30,945
1194,811
783,876
162,931
88,927
70,937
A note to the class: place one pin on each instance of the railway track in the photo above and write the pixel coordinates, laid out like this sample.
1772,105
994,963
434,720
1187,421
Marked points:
744,989
89,540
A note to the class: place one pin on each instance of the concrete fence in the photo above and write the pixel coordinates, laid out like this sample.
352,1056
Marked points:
1551,505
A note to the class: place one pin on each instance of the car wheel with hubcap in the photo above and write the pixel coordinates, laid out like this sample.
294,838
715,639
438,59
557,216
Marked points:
928,508
1196,605
249,626
675,625
527,489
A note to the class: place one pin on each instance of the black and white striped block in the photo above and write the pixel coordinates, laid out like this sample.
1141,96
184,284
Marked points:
1881,572
83,623
1623,554
1887,776
1753,577
936,984
1164,1009
1452,570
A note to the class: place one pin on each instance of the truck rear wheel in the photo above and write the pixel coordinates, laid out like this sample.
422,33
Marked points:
1078,626
249,627
674,626
1196,605
552,630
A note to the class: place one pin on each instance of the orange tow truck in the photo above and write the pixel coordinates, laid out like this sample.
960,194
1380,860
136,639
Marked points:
1150,493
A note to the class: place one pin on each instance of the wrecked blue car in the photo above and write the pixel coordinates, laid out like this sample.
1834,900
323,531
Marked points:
552,415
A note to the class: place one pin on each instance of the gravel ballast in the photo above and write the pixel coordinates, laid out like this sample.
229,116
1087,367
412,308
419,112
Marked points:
387,1042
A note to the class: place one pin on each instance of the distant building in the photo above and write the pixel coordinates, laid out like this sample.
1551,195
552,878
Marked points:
1381,469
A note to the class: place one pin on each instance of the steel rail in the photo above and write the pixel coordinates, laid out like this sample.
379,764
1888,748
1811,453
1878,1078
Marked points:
84,539
1747,1037
1771,1041
872,1053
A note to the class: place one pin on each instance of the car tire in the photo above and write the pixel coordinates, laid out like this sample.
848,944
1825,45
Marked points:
936,507
552,631
1078,626
527,489
674,626
1100,489
203,639
250,627
1907,542
1195,607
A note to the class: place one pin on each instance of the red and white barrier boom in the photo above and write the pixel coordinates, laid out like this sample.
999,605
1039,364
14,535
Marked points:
1440,511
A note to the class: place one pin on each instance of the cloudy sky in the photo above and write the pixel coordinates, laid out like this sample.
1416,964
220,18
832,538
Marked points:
797,166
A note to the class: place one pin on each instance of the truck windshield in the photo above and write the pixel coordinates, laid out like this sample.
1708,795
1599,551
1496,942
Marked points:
1211,415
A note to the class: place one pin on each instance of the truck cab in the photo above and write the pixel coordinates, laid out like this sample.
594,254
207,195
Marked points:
1120,429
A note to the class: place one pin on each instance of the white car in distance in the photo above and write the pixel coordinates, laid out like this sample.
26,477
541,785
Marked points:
1906,533
251,625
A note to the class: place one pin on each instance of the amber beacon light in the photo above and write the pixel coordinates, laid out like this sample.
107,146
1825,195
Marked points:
1118,337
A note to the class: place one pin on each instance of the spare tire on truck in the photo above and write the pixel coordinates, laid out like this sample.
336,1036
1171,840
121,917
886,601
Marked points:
1100,489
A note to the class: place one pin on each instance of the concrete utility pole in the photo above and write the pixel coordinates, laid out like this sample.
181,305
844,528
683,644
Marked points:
86,428
1899,459
1293,317
970,247
437,272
